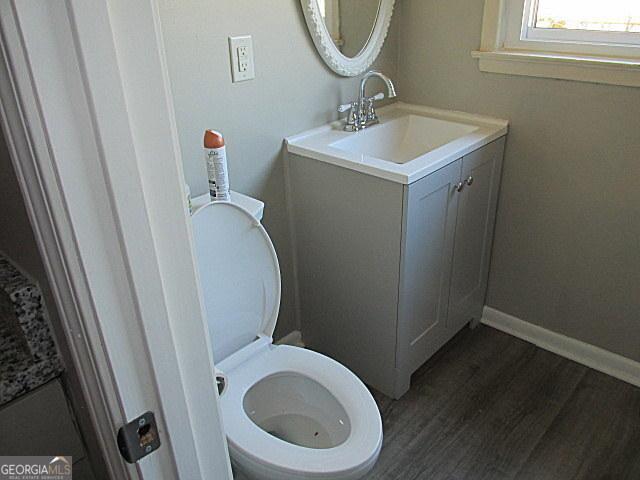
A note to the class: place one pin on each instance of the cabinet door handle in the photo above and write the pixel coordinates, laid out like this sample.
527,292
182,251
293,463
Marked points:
459,187
469,180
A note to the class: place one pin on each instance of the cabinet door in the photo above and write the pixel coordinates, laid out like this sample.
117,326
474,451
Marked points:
427,242
474,233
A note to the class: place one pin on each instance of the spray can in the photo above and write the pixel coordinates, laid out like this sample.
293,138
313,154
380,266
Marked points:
216,157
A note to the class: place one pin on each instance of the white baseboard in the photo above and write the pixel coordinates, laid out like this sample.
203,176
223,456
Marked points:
597,358
294,338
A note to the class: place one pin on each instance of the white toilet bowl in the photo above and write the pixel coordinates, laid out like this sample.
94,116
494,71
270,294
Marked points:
289,413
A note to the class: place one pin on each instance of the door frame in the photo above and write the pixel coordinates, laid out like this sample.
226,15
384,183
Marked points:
89,120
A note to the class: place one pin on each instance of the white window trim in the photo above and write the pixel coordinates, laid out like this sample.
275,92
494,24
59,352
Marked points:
502,51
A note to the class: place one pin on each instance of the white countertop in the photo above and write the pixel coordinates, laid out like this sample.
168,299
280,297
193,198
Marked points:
317,143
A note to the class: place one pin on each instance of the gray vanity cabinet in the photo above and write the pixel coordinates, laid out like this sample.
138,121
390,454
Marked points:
428,229
387,273
481,171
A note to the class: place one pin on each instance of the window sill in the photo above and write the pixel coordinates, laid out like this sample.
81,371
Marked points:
607,70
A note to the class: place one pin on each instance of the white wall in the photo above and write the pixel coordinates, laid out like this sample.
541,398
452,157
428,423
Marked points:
566,252
293,91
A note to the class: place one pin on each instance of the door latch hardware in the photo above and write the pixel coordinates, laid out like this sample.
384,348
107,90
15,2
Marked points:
139,438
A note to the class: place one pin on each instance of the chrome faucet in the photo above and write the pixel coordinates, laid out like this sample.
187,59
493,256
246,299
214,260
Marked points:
362,112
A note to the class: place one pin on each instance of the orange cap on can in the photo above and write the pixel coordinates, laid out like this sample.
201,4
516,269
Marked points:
213,139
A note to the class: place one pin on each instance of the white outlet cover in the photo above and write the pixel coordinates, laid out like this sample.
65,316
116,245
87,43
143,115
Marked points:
241,53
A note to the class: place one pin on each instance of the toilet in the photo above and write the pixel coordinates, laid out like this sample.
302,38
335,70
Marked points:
289,413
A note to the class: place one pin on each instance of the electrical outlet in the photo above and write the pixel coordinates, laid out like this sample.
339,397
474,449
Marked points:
243,59
241,53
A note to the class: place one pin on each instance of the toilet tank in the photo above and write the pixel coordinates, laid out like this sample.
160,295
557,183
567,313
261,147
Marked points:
250,204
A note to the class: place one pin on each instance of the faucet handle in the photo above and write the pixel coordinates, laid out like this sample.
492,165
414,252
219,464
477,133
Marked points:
378,96
345,106
370,110
353,118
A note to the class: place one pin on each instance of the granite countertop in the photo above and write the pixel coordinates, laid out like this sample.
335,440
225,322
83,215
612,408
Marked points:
28,354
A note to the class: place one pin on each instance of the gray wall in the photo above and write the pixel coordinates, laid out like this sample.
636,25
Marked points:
567,249
16,236
565,255
357,18
293,91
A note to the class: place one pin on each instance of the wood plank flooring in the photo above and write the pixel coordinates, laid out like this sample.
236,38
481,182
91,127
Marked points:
490,406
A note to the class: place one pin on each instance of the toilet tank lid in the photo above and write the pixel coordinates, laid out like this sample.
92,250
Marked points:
239,276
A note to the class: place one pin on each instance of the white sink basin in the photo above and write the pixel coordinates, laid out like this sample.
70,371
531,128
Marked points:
409,143
405,138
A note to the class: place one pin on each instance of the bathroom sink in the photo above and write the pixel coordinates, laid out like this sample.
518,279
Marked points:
409,143
404,139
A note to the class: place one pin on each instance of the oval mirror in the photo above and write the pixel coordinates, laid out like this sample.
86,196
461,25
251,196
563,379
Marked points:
348,34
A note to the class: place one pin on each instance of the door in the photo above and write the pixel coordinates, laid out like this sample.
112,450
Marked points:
474,233
430,207
94,147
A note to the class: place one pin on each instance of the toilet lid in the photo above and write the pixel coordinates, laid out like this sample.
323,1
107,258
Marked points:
239,276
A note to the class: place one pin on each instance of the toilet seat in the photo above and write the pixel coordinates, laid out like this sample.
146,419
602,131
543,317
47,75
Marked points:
282,459
239,276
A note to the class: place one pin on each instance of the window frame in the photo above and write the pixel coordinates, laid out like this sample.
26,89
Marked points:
521,35
511,45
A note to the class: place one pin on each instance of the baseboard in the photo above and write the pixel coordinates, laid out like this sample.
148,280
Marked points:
597,358
294,338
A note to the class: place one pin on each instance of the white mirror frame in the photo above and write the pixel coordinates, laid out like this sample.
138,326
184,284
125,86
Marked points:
334,58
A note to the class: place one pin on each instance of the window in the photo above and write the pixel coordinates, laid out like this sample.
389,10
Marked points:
610,27
588,40
595,16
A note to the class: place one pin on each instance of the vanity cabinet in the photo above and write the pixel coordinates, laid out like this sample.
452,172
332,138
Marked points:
388,272
481,172
428,234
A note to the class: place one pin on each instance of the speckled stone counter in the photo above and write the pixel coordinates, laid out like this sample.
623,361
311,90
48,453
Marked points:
28,354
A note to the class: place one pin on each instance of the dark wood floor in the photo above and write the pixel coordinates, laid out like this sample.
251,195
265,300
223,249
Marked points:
490,406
